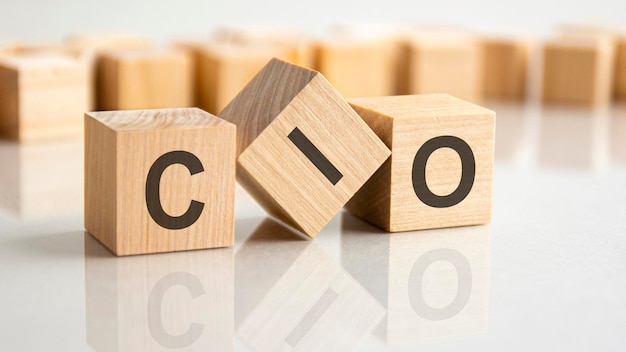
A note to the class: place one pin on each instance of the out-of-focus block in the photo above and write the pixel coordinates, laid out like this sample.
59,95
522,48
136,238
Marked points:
98,41
434,284
165,302
620,68
440,173
505,67
303,152
223,69
295,297
139,195
144,79
444,63
578,71
42,96
358,67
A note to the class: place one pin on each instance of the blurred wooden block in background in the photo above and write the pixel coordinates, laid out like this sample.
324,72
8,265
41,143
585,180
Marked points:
138,186
303,152
620,68
98,41
578,70
223,69
358,67
440,173
42,96
445,62
144,79
505,67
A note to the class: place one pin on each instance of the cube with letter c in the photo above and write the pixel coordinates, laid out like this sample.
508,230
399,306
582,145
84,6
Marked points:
159,180
440,173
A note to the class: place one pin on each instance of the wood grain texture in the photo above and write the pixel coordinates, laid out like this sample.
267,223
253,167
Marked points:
405,123
147,302
578,71
274,170
505,67
358,67
144,79
116,172
445,63
42,96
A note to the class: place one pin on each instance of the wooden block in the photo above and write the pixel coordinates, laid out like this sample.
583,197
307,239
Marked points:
434,284
42,96
144,79
99,41
303,152
578,71
440,173
295,297
136,203
448,63
171,301
358,67
505,67
223,69
620,69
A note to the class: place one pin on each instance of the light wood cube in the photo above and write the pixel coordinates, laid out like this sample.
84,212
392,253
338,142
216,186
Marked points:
620,69
578,71
295,297
171,301
99,41
159,180
440,173
505,67
434,284
224,69
144,79
42,96
445,63
303,152
358,67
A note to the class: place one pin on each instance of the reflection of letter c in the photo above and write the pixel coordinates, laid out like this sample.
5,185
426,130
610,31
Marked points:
464,276
155,318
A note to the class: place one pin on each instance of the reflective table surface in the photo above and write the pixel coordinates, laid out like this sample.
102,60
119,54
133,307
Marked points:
549,272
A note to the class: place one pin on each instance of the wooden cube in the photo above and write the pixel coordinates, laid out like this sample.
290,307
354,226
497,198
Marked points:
224,69
144,79
42,96
303,152
620,69
358,67
505,67
445,63
434,284
99,41
171,301
139,195
296,297
440,173
578,71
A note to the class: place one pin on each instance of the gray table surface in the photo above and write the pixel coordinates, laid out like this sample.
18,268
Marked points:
549,272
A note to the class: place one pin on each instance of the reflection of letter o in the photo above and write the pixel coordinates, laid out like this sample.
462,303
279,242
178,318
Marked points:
464,276
155,317
468,172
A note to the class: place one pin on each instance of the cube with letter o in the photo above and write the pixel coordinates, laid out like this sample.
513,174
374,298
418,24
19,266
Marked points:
159,180
440,173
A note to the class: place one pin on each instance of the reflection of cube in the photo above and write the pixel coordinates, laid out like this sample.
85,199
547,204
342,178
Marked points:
435,284
42,96
578,70
159,303
303,151
295,297
42,180
144,79
450,64
505,67
139,195
440,172
358,67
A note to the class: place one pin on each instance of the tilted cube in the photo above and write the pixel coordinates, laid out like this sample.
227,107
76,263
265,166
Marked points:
159,180
440,173
303,152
